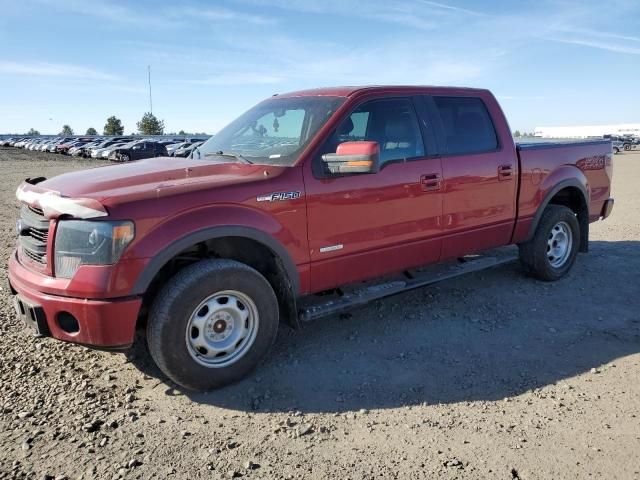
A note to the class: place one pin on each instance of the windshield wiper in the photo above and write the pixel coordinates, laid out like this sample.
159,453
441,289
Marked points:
220,153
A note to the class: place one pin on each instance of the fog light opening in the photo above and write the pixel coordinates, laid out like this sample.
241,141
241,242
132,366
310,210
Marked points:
68,322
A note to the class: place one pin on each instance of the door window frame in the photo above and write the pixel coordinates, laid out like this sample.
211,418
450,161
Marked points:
425,128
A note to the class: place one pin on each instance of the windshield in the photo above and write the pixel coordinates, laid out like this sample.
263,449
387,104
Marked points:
273,132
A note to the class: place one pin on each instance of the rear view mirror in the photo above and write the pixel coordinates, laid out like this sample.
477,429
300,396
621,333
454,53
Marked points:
353,157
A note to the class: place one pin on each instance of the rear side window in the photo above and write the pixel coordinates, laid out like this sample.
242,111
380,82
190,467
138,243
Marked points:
467,125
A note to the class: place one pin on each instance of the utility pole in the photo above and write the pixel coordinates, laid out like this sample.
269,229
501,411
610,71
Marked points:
150,100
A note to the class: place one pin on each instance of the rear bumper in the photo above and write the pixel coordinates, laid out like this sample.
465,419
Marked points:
101,323
607,208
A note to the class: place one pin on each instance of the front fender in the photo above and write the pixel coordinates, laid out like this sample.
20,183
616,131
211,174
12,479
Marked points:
174,235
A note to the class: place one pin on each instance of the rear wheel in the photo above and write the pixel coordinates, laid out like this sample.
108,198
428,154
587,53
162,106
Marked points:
552,251
212,323
616,150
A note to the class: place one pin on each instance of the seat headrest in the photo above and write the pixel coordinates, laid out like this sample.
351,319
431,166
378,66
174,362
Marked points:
346,126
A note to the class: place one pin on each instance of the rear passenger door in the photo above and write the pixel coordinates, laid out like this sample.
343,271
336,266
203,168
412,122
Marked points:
479,176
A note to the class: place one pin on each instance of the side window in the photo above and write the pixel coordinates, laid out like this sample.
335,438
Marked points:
467,125
390,122
360,121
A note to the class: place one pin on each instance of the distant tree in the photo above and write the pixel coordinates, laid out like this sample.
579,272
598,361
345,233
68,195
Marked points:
33,131
91,131
150,125
113,126
182,132
517,133
66,130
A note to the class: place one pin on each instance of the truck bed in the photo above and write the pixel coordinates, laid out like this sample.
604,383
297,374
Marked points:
545,165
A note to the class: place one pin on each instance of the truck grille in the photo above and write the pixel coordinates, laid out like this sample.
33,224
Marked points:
33,235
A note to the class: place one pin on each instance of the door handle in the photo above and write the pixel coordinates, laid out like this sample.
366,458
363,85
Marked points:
505,172
430,182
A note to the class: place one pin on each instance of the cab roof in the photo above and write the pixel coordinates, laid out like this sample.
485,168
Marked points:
348,91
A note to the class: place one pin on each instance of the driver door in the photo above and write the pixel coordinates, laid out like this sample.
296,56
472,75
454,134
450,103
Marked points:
367,225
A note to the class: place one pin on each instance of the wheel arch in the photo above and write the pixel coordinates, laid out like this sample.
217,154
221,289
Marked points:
573,194
230,241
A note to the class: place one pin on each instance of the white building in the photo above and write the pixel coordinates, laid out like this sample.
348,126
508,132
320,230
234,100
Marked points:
588,131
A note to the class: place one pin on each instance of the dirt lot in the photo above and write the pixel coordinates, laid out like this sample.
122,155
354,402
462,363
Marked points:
493,375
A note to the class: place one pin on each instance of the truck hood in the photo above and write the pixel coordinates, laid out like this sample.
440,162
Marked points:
150,178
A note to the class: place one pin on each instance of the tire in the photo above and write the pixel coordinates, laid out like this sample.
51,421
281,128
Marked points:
124,157
543,255
627,147
616,150
194,298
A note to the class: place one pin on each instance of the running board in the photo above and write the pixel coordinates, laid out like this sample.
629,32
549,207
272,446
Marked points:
412,279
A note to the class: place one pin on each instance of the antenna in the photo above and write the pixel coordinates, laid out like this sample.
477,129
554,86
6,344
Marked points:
150,100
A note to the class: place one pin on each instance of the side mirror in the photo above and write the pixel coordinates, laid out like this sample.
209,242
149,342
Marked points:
354,157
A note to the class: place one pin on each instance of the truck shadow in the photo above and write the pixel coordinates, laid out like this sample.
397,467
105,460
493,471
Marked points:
486,336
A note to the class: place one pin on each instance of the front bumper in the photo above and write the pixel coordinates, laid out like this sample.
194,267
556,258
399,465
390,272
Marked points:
108,323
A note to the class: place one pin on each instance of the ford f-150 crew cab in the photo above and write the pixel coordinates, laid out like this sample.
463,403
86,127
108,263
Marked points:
308,203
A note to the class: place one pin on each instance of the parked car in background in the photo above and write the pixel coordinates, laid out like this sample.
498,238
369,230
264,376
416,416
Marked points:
22,142
173,147
187,149
94,151
631,143
617,146
83,150
105,152
138,151
76,150
64,145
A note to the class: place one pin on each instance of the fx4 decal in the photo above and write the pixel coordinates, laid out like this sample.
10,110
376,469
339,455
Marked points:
278,196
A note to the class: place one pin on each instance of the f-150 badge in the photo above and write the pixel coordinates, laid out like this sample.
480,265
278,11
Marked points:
278,196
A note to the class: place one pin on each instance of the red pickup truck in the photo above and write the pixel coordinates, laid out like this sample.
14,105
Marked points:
308,203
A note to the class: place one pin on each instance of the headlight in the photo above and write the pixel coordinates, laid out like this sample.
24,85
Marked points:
81,242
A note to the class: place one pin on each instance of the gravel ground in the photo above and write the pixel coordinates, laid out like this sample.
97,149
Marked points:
493,375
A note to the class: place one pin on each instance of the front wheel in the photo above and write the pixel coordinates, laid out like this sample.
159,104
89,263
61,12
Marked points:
212,324
552,251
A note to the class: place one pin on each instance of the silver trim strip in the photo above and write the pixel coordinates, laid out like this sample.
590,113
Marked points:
331,248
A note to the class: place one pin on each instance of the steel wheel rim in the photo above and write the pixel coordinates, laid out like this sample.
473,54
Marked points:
559,244
222,329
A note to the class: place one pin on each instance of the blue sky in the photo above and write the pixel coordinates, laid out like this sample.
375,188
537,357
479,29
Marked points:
78,62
